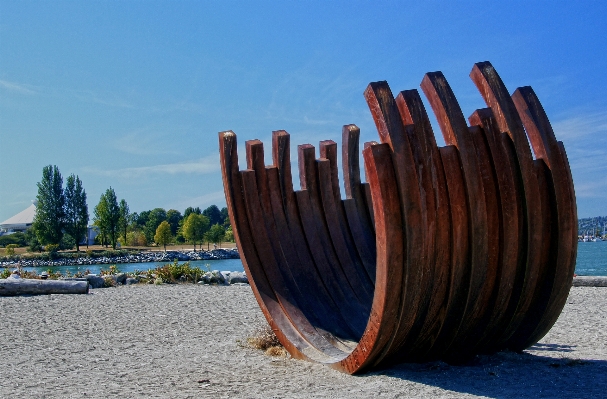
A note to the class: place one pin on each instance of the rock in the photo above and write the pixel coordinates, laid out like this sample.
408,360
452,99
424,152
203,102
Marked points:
95,281
238,277
130,281
214,277
121,278
590,281
220,278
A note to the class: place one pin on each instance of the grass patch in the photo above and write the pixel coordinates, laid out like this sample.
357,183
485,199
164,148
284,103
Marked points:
266,340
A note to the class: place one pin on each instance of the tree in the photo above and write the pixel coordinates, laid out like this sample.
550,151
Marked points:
173,218
154,218
76,210
229,236
225,217
124,219
189,210
49,220
214,215
163,234
194,228
215,234
107,214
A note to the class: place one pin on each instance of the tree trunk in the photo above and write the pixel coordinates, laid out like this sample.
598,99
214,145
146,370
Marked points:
22,286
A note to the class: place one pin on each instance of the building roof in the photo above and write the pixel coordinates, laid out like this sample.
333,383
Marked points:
25,217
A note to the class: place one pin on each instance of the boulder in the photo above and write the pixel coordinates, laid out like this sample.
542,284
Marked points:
131,281
94,280
214,277
121,278
238,277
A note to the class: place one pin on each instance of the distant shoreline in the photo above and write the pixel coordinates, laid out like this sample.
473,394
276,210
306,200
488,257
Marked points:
122,258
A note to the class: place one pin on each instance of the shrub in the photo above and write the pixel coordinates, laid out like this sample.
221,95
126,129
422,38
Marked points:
15,238
10,249
112,271
175,272
51,248
136,239
67,242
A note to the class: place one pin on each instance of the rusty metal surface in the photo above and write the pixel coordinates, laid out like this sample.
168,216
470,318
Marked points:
444,253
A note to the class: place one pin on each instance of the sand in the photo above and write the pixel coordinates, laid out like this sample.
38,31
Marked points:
186,341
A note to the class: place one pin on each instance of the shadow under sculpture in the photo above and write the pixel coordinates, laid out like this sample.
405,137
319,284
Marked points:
445,253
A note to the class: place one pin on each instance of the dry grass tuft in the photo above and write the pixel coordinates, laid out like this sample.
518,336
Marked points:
265,339
277,351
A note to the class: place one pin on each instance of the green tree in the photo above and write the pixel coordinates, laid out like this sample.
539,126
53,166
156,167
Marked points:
173,217
215,234
49,220
107,214
229,236
154,218
189,210
124,219
163,234
76,210
194,228
225,217
214,215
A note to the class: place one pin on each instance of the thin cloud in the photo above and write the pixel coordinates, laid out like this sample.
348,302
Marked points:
202,166
580,126
591,189
15,87
141,142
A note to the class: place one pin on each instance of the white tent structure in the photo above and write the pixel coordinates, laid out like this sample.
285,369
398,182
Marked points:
20,222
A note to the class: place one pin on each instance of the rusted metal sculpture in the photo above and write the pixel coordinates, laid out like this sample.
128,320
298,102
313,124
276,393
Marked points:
445,253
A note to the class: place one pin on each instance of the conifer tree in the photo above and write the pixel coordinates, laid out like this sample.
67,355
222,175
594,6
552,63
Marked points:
49,221
76,209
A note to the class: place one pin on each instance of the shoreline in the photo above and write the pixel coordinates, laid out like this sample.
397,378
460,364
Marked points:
140,257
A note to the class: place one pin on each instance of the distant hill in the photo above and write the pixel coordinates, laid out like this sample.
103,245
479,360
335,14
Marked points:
592,226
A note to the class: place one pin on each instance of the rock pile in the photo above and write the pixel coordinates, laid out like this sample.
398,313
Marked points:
142,257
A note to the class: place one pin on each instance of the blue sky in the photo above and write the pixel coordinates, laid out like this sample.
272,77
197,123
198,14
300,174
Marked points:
132,94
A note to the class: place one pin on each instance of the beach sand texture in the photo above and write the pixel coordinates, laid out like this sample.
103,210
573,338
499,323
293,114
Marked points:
186,341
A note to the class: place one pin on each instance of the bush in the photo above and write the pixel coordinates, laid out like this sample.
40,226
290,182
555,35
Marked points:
52,250
10,249
175,272
67,242
136,239
15,238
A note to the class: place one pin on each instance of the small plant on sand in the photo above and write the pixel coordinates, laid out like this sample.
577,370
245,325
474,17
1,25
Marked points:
5,273
266,340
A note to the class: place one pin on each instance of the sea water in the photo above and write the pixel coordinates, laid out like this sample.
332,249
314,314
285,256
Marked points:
591,261
231,265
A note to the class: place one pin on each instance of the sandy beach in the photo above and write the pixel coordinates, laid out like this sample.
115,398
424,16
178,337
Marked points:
187,341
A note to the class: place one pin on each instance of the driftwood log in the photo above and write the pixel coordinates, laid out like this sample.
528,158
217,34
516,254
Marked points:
22,286
445,253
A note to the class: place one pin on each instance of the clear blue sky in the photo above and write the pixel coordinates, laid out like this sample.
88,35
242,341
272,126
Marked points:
132,94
